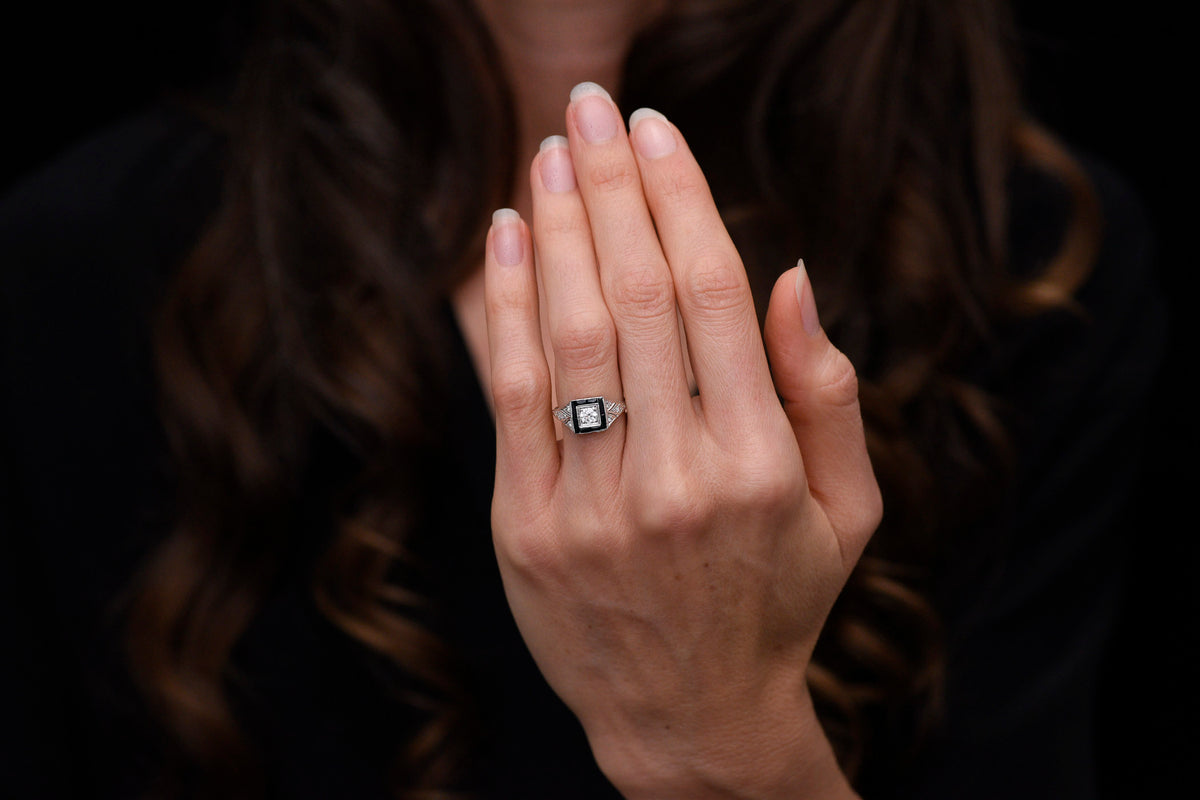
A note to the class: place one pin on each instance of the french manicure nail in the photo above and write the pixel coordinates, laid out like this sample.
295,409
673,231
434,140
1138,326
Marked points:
555,166
808,303
652,136
507,241
595,114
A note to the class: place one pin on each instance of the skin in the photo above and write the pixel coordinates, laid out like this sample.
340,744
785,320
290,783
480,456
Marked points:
670,575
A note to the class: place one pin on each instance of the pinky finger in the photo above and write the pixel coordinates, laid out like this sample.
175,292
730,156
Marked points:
526,446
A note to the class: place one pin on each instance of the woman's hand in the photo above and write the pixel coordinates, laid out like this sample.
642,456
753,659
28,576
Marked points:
670,574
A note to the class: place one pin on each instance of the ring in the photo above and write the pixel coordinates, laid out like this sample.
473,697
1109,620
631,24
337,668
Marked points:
589,414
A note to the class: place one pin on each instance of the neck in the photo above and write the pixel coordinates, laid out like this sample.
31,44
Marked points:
548,46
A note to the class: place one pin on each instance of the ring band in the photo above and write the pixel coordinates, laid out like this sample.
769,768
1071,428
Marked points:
589,414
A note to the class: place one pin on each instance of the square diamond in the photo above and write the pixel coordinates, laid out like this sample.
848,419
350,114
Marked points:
589,415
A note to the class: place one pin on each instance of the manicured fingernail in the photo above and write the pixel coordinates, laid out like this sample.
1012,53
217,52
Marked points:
808,303
507,241
558,172
652,136
595,114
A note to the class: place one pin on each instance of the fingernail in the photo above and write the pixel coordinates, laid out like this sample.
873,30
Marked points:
652,136
507,241
595,114
555,166
808,303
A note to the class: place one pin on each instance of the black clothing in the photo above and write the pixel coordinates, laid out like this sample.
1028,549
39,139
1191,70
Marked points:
85,249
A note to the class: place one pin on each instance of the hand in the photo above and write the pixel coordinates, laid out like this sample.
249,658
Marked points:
670,575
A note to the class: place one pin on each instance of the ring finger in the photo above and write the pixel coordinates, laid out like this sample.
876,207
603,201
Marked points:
582,335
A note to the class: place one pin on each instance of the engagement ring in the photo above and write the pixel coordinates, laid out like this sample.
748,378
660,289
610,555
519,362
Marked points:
589,415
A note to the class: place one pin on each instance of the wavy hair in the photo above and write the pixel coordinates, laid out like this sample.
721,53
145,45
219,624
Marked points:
875,137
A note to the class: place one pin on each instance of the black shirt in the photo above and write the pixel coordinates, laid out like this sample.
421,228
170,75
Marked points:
86,247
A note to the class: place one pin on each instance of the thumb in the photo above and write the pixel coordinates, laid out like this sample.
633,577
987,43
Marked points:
819,389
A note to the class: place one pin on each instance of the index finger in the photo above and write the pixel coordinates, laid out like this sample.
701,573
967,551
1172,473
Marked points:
711,287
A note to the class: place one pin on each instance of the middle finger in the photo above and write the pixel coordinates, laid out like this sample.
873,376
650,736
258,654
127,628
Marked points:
634,274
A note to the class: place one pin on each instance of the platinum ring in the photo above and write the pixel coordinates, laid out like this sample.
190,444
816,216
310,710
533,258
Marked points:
589,414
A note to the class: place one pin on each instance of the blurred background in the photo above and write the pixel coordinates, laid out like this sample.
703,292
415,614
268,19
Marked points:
1108,78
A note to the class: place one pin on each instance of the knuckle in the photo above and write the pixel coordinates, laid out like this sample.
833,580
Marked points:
507,300
590,542
644,293
772,487
716,283
764,483
520,388
672,507
521,533
531,552
870,510
612,176
584,533
549,547
680,185
837,382
857,523
562,225
585,338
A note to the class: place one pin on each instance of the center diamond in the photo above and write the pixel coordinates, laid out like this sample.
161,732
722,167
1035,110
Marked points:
589,415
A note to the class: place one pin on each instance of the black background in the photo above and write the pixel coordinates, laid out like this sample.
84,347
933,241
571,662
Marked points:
1109,78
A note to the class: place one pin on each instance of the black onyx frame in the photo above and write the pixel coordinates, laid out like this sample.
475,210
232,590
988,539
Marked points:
589,415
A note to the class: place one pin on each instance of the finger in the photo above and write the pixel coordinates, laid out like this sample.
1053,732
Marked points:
526,449
711,287
819,389
634,274
582,335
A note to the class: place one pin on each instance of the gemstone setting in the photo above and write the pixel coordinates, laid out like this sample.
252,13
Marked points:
589,415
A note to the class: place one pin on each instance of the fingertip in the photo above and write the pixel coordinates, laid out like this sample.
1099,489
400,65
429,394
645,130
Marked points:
596,118
553,167
644,113
588,89
551,142
508,237
508,259
652,135
809,318
791,347
502,216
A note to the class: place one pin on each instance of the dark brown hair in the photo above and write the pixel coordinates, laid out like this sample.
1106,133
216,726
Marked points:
874,137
